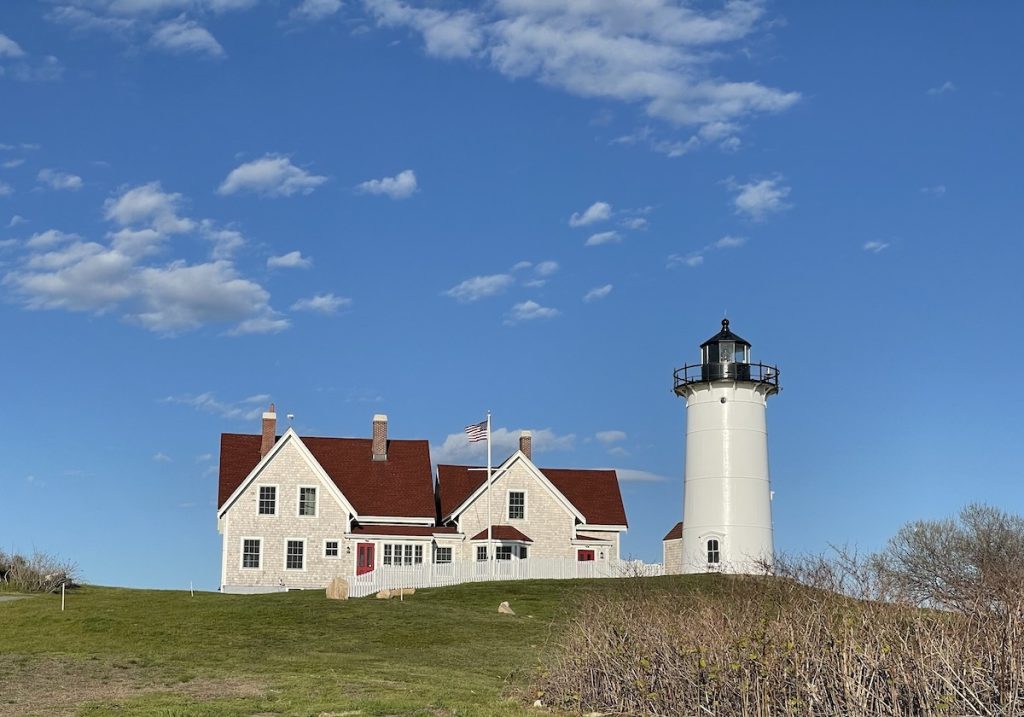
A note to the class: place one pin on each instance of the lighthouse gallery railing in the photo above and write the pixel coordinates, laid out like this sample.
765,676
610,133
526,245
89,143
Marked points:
704,372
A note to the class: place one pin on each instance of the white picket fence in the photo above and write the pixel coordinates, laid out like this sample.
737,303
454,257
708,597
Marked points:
432,575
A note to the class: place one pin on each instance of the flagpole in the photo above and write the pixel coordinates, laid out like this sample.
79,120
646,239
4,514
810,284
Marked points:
490,548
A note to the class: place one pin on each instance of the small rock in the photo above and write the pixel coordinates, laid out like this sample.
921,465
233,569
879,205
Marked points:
405,591
384,595
504,609
538,703
337,589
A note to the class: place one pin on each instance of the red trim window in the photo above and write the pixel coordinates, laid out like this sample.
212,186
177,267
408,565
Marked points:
584,556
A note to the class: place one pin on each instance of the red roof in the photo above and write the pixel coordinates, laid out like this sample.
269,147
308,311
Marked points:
401,486
594,493
388,529
676,533
503,532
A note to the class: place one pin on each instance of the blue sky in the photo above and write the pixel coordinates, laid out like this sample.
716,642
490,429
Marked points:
537,207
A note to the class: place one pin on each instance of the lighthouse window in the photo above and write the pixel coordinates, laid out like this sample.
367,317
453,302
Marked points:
725,351
714,554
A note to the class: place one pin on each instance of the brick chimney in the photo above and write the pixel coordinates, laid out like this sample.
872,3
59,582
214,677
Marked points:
380,437
526,444
269,431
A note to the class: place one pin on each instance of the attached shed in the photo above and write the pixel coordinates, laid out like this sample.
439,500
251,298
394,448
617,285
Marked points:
672,550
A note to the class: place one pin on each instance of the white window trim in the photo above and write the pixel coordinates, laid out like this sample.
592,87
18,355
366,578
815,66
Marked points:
451,553
298,501
305,555
508,504
241,552
341,550
380,546
277,500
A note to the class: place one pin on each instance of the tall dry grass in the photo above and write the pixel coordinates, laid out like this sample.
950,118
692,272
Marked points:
817,642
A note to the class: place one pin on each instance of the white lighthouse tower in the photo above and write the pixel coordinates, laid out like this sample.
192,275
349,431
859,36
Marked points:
727,501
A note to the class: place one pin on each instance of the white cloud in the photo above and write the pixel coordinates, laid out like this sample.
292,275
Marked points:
597,293
270,324
635,223
729,242
457,449
596,212
104,278
16,220
401,186
607,437
314,10
291,260
758,199
84,20
520,265
161,457
690,260
656,52
937,191
480,287
148,204
225,241
6,190
12,163
696,258
875,246
49,238
454,34
248,409
44,69
600,238
546,268
630,475
322,303
272,175
9,48
942,89
529,311
181,35
59,180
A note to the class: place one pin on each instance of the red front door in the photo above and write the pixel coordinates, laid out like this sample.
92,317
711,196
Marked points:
584,555
364,558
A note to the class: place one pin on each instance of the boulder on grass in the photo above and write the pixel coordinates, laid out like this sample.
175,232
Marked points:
504,609
384,595
337,589
404,592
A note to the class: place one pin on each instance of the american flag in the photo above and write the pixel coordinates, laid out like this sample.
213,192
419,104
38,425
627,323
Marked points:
477,432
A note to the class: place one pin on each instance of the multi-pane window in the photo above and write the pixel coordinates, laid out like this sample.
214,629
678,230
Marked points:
442,555
503,552
516,505
331,549
522,552
714,553
294,553
307,500
402,554
268,500
251,553
481,552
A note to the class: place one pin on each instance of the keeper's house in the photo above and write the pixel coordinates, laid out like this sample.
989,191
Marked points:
296,512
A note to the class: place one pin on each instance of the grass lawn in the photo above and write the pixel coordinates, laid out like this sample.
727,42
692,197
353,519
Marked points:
441,652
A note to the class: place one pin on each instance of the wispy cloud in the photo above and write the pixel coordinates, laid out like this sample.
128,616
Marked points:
322,303
49,238
760,198
608,437
942,89
315,10
937,191
161,457
248,409
291,260
182,35
696,258
875,246
9,48
13,163
456,449
610,237
402,186
659,53
529,311
596,212
480,287
59,180
272,175
16,220
597,293
6,190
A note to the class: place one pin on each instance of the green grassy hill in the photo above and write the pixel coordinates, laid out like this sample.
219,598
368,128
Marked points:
445,651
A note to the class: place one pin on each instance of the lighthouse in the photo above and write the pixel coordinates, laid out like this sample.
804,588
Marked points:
727,497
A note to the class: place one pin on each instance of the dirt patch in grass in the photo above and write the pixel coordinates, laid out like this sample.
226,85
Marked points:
57,687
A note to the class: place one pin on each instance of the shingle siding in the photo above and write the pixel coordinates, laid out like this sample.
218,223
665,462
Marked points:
288,471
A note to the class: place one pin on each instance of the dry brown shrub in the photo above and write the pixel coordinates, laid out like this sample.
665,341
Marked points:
38,573
832,637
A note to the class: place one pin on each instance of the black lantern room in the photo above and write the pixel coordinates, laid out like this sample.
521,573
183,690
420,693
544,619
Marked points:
725,357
